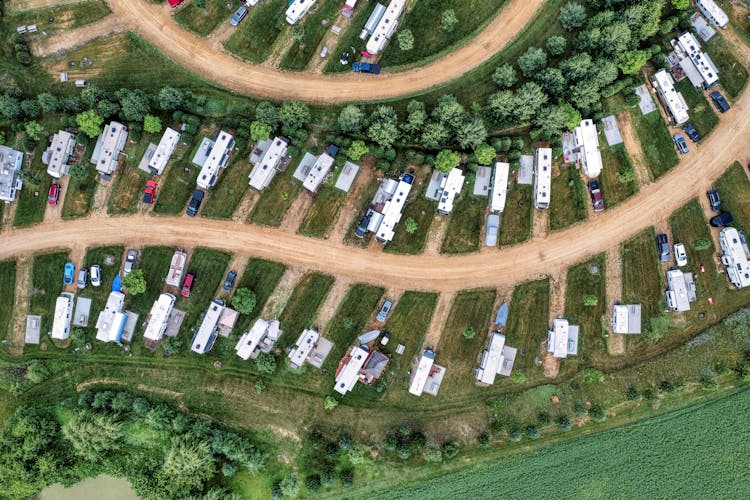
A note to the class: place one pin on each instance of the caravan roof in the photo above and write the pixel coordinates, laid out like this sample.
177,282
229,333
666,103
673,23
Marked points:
385,27
499,187
164,151
542,177
422,372
587,140
159,317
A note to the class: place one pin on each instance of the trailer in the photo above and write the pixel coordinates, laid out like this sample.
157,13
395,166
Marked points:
373,21
176,267
499,187
360,67
297,10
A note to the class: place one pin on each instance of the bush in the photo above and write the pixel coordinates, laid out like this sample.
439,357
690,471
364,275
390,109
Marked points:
390,442
404,451
543,418
432,453
590,300
469,333
702,244
597,413
563,422
483,439
532,432
450,450
633,394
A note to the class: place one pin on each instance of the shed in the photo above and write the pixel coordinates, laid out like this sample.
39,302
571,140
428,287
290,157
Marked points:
433,188
175,322
143,165
130,323
227,321
304,167
33,329
201,154
83,310
526,171
347,176
482,181
320,352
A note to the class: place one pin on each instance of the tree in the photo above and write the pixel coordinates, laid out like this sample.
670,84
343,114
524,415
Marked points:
357,150
485,154
596,412
449,111
592,377
532,61
48,102
702,244
294,114
411,226
244,300
92,94
572,116
34,129
405,39
529,100
78,171
626,175
532,432
267,113
469,333
107,108
266,363
383,128
450,450
170,98
330,403
351,119
505,76
471,133
556,44
501,105
134,103
680,4
30,108
416,115
260,131
93,436
90,123
632,61
134,283
188,464
633,394
590,300
10,107
563,422
151,124
432,453
356,455
446,160
449,20
434,135
572,16
37,371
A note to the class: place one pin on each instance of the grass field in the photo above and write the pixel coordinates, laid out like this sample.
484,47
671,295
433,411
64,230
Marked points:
465,223
7,296
32,200
516,220
301,309
322,213
276,199
64,17
299,55
154,262
528,321
204,21
261,276
79,195
423,212
734,190
459,355
254,38
702,115
229,189
176,188
130,181
657,145
46,285
569,199
588,278
642,281
732,74
209,267
614,159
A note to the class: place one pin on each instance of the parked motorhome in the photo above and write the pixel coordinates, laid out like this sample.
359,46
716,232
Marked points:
672,100
542,177
63,316
499,187
10,173
57,155
106,155
297,10
164,151
158,318
386,27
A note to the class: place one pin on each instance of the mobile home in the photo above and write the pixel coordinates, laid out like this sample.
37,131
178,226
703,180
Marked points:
713,13
385,27
542,177
673,102
205,336
393,210
158,318
111,321
217,158
499,187
164,151
265,169
373,21
58,154
10,173
63,316
735,257
110,144
297,10
450,187
587,142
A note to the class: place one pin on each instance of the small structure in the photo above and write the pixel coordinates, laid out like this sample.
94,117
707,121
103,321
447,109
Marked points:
385,27
501,319
111,321
164,151
106,155
347,176
348,7
735,256
499,187
320,169
701,26
611,130
131,322
227,321
158,318
587,142
542,177
525,175
310,347
216,156
680,290
262,337
372,21
497,359
59,152
63,316
450,188
562,340
392,211
205,336
82,312
626,319
713,13
10,173
297,10
673,102
482,181
33,329
320,352
174,323
176,268
146,158
696,64
427,376
269,156
349,368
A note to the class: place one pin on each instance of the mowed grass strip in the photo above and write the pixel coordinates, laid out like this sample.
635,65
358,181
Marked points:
261,276
32,200
465,223
130,180
732,74
176,188
209,267
79,194
615,159
154,262
569,198
588,279
46,285
471,308
528,321
7,296
301,309
299,54
204,21
656,143
702,115
516,219
254,38
422,211
276,199
642,281
322,213
230,187
734,191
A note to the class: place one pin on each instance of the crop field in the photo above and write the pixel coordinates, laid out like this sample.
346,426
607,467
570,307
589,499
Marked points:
204,21
46,285
261,276
642,276
568,203
734,190
209,267
7,296
322,213
254,38
528,321
229,189
299,55
657,145
588,279
276,199
465,223
299,312
516,220
615,159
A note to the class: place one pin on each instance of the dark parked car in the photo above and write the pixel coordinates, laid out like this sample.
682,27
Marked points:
229,282
238,16
721,220
187,285
596,195
681,143
721,104
662,246
363,223
714,200
195,202
691,132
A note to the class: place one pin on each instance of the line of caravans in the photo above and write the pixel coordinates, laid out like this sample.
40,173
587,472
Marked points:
382,25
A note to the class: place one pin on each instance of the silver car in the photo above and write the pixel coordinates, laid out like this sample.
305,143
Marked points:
96,275
83,277
493,222
130,260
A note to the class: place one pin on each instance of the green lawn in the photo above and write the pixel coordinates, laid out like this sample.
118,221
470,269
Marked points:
734,191
642,280
584,279
7,296
229,189
299,55
516,219
204,21
130,179
322,213
254,38
209,267
732,74
528,322
176,187
32,200
261,276
702,115
465,223
46,286
276,199
657,145
569,199
79,195
423,212
301,309
64,17
349,38
614,160
154,262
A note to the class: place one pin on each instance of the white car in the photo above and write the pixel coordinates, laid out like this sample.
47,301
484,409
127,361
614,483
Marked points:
680,256
96,275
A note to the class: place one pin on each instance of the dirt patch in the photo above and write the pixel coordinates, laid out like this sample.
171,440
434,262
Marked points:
436,235
9,214
439,317
283,291
615,342
633,148
38,4
283,44
21,306
71,39
558,284
332,300
53,213
246,205
540,224
99,381
102,194
296,213
238,263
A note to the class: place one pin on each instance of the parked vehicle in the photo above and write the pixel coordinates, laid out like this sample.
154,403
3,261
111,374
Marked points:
493,223
344,58
720,102
174,3
238,16
195,203
149,192
681,143
714,200
360,67
363,223
229,282
383,313
130,259
386,338
721,220
691,132
680,255
69,274
662,246
96,275
54,194
83,277
324,52
596,195
187,285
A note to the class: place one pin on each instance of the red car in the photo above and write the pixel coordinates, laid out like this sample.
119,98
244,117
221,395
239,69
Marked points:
187,286
54,194
174,3
149,193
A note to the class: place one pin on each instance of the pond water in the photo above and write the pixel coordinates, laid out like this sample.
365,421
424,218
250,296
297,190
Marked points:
95,488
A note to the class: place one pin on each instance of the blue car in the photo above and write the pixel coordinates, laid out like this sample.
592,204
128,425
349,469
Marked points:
70,273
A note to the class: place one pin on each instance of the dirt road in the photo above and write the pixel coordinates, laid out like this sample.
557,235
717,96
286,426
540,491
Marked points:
70,39
154,23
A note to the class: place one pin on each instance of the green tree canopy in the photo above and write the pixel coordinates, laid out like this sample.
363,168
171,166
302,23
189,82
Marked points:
357,150
244,300
351,119
90,123
446,160
134,283
405,39
485,154
152,124
93,436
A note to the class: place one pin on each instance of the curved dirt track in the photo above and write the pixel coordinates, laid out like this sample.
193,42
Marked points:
655,202
154,23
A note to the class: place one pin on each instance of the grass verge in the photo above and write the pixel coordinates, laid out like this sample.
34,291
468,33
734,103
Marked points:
657,145
734,190
261,276
299,312
528,321
322,213
299,55
253,40
568,204
615,159
588,280
465,223
7,296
